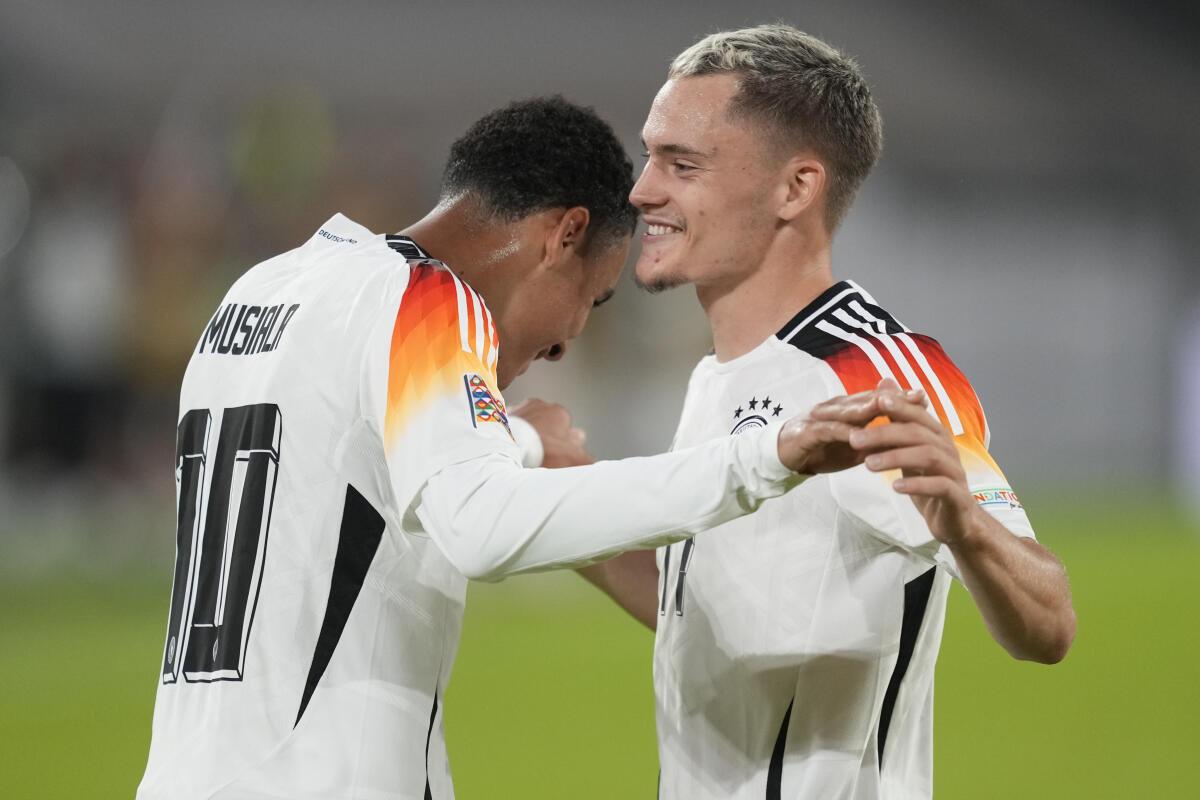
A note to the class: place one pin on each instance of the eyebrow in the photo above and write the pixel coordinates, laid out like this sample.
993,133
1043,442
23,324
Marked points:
604,298
675,150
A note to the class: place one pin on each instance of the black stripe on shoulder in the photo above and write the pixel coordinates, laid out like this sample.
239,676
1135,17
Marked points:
817,342
807,315
876,316
405,246
839,315
362,529
807,330
916,599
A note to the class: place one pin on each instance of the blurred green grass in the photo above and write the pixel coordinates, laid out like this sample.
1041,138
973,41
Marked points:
552,696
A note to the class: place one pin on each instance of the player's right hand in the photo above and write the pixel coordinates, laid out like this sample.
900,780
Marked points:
562,443
820,441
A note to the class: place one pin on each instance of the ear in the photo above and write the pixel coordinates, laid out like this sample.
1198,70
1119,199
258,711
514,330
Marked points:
566,236
803,189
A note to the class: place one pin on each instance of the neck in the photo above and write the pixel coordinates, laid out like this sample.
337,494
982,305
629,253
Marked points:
744,312
456,233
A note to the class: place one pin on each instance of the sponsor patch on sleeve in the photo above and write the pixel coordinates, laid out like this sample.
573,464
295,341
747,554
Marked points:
997,497
485,406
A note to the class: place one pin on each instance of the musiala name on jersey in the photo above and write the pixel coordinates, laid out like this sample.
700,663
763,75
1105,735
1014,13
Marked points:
238,329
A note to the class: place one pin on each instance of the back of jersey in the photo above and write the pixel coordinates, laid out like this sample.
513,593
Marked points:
308,634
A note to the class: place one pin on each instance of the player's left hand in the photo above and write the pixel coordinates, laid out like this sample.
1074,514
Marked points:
563,444
916,443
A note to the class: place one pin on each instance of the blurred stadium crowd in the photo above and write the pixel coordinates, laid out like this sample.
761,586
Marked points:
113,254
143,166
1037,210
125,254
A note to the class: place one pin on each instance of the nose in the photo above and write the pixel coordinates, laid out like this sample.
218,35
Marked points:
646,192
554,352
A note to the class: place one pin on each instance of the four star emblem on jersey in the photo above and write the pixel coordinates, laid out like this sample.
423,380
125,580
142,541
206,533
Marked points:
755,413
485,407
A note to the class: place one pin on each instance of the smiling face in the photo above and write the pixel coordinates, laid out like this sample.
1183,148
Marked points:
705,192
551,306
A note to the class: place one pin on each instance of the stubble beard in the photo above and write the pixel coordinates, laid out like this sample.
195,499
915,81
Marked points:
659,284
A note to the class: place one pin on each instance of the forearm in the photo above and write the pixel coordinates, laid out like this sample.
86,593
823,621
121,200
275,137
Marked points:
493,519
631,579
1020,588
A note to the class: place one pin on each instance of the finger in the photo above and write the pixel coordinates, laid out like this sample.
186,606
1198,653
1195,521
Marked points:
896,434
861,396
829,431
889,386
841,407
807,447
919,460
903,410
556,417
861,403
577,436
808,435
934,486
858,409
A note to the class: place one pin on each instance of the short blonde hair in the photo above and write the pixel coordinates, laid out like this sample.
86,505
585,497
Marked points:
808,95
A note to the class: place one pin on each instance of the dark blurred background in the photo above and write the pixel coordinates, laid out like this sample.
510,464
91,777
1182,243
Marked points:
1036,210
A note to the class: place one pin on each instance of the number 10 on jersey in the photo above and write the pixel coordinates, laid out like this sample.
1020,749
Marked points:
220,543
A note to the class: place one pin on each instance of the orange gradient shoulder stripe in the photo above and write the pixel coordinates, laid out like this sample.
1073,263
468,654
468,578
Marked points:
973,439
430,350
858,373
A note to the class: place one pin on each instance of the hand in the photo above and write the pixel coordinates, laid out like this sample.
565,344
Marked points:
918,445
562,444
820,442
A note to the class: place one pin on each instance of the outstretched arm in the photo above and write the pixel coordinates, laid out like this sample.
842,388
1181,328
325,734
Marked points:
492,518
1018,585
631,579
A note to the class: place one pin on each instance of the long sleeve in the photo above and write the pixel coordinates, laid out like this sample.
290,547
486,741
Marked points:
492,518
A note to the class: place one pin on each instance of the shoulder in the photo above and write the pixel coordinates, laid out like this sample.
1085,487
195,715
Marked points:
433,284
441,330
415,292
437,300
861,343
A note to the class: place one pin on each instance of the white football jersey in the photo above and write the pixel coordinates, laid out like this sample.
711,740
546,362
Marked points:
344,460
310,633
795,657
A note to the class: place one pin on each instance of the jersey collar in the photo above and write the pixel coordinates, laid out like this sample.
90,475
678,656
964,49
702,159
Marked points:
406,247
814,309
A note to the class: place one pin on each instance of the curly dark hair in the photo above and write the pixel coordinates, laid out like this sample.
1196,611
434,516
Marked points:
545,153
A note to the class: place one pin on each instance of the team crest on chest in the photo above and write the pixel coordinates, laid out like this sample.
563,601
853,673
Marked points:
755,413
